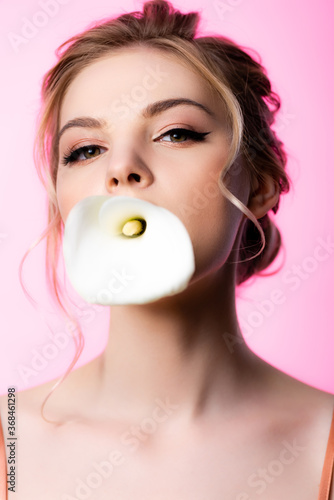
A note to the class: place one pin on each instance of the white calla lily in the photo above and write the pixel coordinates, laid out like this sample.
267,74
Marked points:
123,250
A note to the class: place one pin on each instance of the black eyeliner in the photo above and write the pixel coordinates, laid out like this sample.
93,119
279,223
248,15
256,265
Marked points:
196,136
72,155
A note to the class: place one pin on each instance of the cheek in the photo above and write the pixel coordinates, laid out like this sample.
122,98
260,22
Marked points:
213,231
69,192
211,220
75,183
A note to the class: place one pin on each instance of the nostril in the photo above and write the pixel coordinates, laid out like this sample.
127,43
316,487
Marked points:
136,177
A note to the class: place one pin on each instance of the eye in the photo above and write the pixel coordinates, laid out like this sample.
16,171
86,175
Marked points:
82,154
182,134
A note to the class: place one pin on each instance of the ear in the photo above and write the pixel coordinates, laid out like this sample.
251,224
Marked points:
264,197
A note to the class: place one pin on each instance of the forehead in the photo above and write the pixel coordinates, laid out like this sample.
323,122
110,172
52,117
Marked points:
133,77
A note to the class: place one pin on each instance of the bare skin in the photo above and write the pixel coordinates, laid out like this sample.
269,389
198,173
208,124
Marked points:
210,420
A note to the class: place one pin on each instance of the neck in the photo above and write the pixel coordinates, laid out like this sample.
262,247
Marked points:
177,349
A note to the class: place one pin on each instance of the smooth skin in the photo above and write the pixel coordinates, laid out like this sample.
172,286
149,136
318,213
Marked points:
225,414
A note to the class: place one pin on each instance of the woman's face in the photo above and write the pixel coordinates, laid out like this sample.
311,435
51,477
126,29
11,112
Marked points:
120,115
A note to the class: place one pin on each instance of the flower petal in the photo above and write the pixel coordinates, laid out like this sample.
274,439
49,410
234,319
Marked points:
107,267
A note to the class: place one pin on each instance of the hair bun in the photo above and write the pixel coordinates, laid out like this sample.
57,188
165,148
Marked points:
169,21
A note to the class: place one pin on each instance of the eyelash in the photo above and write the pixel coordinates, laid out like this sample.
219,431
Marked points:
71,155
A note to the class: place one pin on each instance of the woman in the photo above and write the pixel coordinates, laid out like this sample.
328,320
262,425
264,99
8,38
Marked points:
138,106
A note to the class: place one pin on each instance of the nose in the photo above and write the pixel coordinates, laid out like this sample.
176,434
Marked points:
127,172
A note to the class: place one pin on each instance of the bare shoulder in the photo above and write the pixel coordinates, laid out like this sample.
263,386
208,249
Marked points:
297,415
291,393
310,409
290,406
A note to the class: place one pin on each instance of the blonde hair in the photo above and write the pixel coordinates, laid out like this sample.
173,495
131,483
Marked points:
239,81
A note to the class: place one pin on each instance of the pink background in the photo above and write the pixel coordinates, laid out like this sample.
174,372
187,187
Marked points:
287,319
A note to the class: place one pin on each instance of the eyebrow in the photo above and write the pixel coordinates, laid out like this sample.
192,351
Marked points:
150,111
